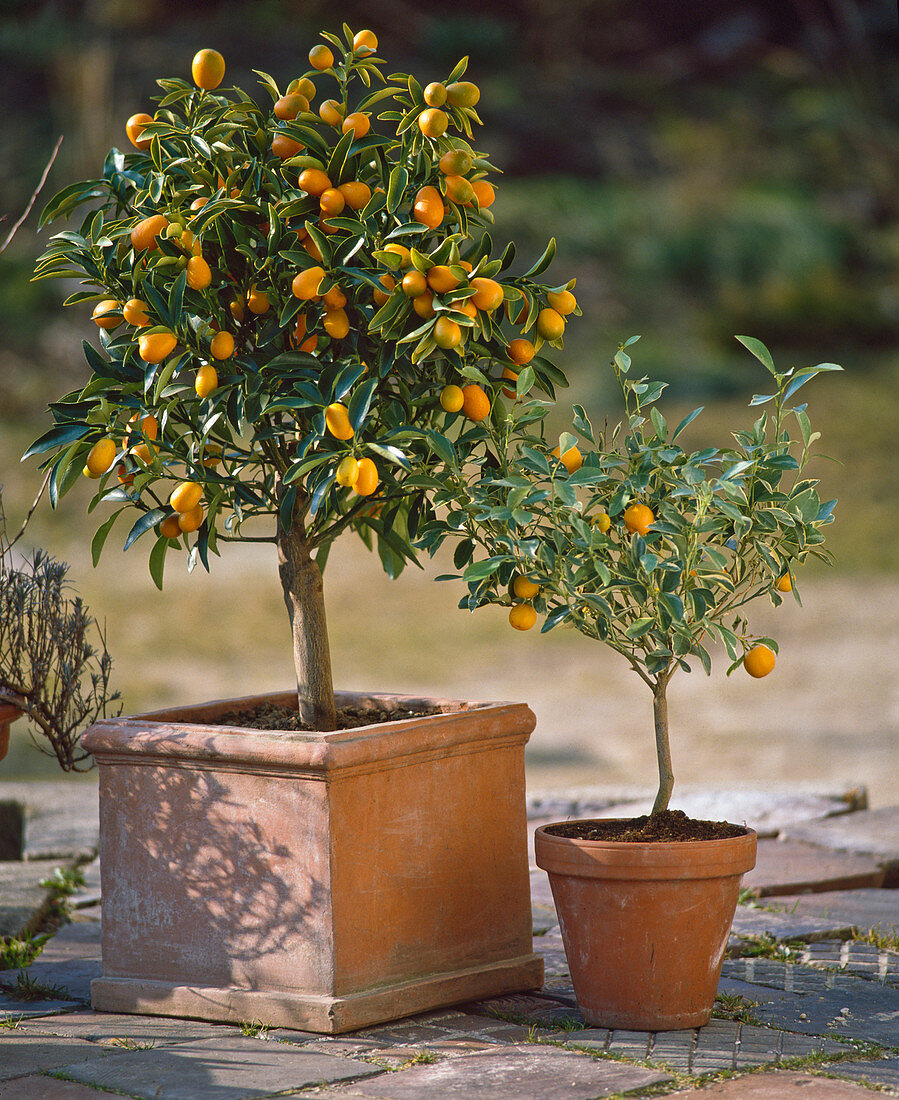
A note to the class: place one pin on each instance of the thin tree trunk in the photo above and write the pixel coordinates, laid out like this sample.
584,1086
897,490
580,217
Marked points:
663,749
301,581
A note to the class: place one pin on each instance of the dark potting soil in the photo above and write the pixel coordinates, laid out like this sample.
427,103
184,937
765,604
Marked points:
268,716
669,825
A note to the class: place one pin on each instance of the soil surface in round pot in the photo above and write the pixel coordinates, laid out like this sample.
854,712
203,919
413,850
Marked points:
645,921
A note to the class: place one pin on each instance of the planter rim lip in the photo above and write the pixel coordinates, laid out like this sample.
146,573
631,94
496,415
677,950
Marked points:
185,734
748,835
9,712
644,860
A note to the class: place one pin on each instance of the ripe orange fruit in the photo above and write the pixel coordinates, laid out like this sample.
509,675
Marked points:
784,583
759,661
169,528
572,459
458,190
284,146
222,345
475,403
258,302
452,398
208,69
321,58
414,283
366,478
155,346
144,234
484,193
313,181
381,296
103,308
435,94
302,86
336,323
637,518
522,616
428,207
237,308
334,298
337,421
433,122
447,334
462,94
146,426
562,301
521,351
603,521
513,377
135,313
440,279
550,324
331,201
199,273
305,285
191,520
365,42
400,250
524,588
100,457
134,127
358,122
207,380
467,306
186,495
455,162
289,106
488,294
347,472
143,453
330,112
423,305
356,194
212,456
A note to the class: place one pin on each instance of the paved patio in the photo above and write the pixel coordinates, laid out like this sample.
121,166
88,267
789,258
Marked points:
804,1001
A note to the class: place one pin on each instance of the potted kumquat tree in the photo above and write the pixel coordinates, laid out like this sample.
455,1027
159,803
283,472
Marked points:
654,551
293,301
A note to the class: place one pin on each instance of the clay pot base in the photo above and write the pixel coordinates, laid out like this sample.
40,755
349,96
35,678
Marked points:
667,826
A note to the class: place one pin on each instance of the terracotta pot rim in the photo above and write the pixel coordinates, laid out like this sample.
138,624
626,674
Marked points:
9,712
651,859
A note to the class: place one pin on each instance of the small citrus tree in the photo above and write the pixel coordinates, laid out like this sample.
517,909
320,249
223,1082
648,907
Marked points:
638,543
289,299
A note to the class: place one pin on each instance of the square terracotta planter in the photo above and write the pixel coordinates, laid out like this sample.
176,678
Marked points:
317,881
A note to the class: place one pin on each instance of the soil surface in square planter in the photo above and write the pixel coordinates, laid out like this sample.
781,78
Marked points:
270,716
667,826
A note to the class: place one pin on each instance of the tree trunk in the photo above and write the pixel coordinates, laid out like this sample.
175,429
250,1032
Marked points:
301,581
663,749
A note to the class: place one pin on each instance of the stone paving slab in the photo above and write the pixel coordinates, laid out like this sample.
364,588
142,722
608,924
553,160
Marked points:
865,910
869,832
815,1003
61,817
778,1086
29,1054
878,1071
111,1028
798,867
23,900
767,921
863,960
13,1009
48,1088
216,1069
509,1073
70,960
720,1045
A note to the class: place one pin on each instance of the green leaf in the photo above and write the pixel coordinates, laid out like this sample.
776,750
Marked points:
442,447
481,570
102,533
396,186
640,627
157,560
545,260
686,420
758,349
360,403
146,522
58,437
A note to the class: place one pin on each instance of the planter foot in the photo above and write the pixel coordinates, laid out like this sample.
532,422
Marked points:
328,1015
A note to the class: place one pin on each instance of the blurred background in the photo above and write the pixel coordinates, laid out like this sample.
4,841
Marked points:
708,167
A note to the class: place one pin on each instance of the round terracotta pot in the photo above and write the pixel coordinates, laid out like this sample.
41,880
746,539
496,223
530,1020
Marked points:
645,926
8,714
